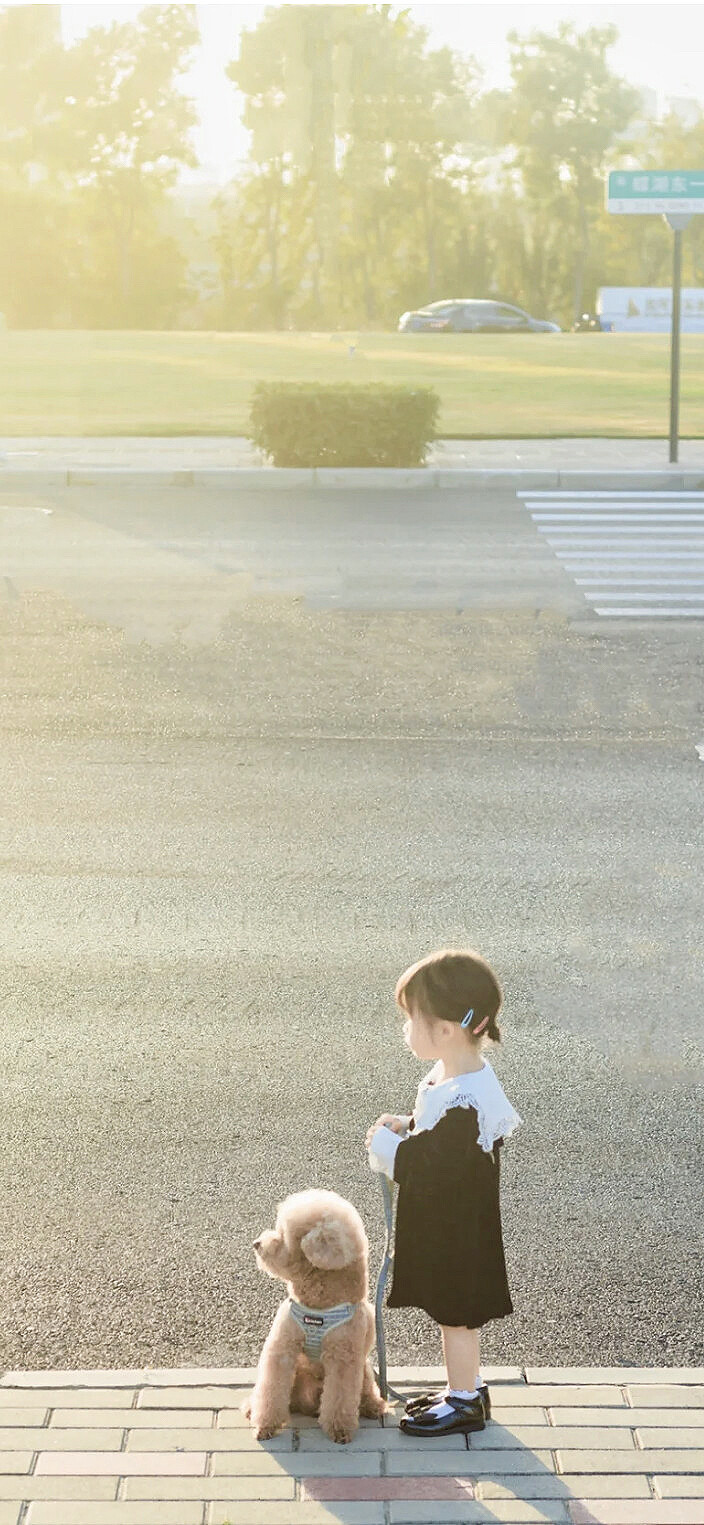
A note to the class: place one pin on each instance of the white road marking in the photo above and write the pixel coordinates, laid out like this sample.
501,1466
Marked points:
657,598
630,554
640,582
615,495
652,613
631,532
631,520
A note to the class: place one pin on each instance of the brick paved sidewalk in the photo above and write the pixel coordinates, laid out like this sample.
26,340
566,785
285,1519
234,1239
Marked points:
618,1446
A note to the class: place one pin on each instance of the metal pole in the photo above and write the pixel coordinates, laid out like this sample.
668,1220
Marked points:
675,345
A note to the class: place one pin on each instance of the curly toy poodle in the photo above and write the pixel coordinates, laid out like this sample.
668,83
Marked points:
315,1359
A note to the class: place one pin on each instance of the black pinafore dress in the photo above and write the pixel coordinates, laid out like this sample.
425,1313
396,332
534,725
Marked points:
448,1252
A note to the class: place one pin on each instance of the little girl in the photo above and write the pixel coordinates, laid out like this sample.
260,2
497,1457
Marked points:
449,1254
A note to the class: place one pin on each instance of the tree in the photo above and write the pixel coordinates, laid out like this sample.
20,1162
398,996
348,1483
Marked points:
125,135
32,208
562,116
356,124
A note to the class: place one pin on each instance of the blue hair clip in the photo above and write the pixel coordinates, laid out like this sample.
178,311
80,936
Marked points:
466,1020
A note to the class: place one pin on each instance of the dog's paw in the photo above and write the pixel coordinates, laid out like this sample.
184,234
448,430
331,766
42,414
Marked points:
374,1408
339,1431
266,1431
246,1408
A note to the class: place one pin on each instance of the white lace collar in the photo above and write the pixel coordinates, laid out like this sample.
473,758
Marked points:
480,1089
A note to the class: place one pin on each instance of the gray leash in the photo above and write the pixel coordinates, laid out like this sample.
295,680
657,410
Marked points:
380,1375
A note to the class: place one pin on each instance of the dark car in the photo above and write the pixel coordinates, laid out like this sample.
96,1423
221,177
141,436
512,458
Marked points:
591,323
466,316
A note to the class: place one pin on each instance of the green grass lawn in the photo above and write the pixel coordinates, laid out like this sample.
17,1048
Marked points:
490,385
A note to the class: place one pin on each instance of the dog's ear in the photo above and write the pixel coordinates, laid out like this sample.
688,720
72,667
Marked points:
329,1245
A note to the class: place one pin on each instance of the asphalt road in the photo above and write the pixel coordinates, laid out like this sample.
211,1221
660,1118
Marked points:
258,754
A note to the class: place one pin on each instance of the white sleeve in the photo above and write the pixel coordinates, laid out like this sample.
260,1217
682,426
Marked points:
382,1151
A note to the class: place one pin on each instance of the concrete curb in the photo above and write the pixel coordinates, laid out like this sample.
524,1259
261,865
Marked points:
277,479
242,1376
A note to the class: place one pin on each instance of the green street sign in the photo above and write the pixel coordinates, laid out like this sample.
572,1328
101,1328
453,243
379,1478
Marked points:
639,191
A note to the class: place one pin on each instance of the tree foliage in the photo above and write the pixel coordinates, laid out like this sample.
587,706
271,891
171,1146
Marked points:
382,175
91,138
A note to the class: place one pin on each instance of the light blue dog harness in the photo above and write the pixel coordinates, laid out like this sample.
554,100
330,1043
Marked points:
317,1322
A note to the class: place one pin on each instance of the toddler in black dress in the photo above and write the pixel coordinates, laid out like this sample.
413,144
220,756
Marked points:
444,1157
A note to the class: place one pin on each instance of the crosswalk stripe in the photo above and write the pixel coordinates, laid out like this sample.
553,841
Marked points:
664,532
635,520
615,495
655,598
639,582
629,554
651,614
571,558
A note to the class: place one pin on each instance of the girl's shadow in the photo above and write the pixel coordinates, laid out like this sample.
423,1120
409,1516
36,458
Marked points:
479,1472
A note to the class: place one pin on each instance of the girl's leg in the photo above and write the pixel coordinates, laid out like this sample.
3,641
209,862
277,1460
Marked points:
461,1351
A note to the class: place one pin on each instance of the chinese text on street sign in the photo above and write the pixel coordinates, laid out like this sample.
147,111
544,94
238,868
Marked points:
639,191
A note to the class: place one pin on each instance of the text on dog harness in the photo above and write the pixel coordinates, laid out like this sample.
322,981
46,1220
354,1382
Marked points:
317,1322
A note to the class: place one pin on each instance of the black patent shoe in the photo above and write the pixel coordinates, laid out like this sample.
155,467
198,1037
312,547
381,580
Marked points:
424,1400
469,1414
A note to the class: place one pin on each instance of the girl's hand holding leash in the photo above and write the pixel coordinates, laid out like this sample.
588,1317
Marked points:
387,1120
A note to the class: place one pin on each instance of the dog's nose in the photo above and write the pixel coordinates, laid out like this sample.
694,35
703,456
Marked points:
257,1243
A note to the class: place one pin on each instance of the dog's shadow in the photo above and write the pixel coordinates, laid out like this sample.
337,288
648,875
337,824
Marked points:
382,1465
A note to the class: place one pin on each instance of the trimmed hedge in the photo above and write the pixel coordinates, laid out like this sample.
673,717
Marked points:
311,424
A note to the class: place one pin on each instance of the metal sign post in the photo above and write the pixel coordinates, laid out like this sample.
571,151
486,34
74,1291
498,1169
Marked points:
678,195
678,222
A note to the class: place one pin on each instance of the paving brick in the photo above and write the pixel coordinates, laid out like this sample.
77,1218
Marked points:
342,1463
130,1419
667,1397
12,1415
534,1416
473,1463
15,1461
391,1439
311,1422
65,1397
49,1440
58,1487
679,1487
118,1464
625,1512
632,1461
233,1419
518,1512
114,1514
435,1488
558,1437
207,1396
233,1488
635,1417
10,1513
669,1436
296,1514
192,1440
558,1396
543,1486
